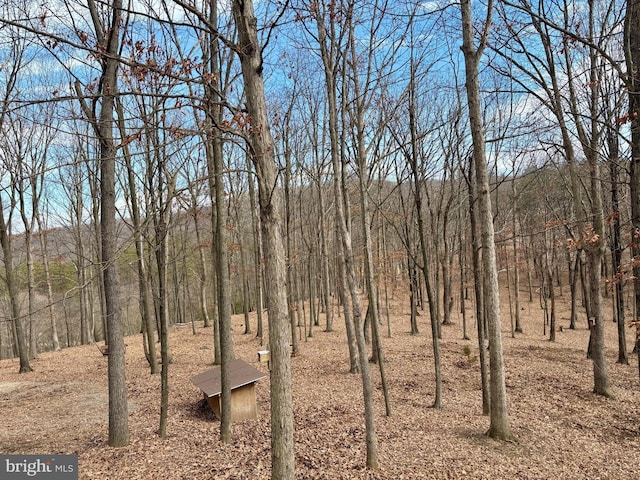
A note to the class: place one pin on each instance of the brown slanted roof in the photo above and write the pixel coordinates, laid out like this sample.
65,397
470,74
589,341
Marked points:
241,374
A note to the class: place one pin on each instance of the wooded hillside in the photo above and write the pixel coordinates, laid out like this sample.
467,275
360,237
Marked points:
314,166
562,428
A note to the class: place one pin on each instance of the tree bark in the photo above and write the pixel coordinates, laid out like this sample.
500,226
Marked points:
269,195
5,237
431,296
16,319
223,283
47,275
343,220
500,426
257,239
478,290
143,291
516,269
616,247
109,38
632,57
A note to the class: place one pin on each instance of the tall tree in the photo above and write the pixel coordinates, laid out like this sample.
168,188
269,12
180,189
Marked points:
632,58
107,22
215,165
12,67
330,40
589,133
263,155
500,427
16,319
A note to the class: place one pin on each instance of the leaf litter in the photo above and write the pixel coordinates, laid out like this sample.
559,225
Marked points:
563,430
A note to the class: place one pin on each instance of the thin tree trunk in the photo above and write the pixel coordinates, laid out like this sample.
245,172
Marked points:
548,274
143,291
431,296
595,243
632,58
262,148
204,272
511,314
103,125
343,221
413,294
354,364
245,290
312,295
33,326
516,269
287,206
462,259
257,239
324,256
500,426
16,319
47,275
163,307
616,247
213,151
478,292
224,289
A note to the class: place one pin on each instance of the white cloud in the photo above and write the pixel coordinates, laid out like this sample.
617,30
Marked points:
430,6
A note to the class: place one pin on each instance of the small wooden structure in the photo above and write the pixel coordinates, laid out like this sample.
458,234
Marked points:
243,393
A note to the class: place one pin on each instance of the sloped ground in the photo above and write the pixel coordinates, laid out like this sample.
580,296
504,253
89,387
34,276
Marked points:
563,430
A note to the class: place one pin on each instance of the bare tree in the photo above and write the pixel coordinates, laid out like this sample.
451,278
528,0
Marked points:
262,153
101,116
12,67
632,59
500,427
330,43
148,326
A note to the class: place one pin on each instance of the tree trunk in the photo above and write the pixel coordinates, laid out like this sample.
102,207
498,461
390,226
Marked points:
224,295
28,220
143,291
365,216
354,361
18,327
47,276
33,326
99,329
516,270
478,291
108,39
616,247
595,236
462,262
413,294
204,272
246,301
548,275
632,58
162,301
324,255
343,221
287,205
216,170
263,155
500,426
257,239
431,296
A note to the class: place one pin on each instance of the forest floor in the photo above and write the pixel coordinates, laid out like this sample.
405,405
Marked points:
563,430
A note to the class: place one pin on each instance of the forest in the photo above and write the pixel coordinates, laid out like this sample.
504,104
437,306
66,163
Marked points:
356,186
